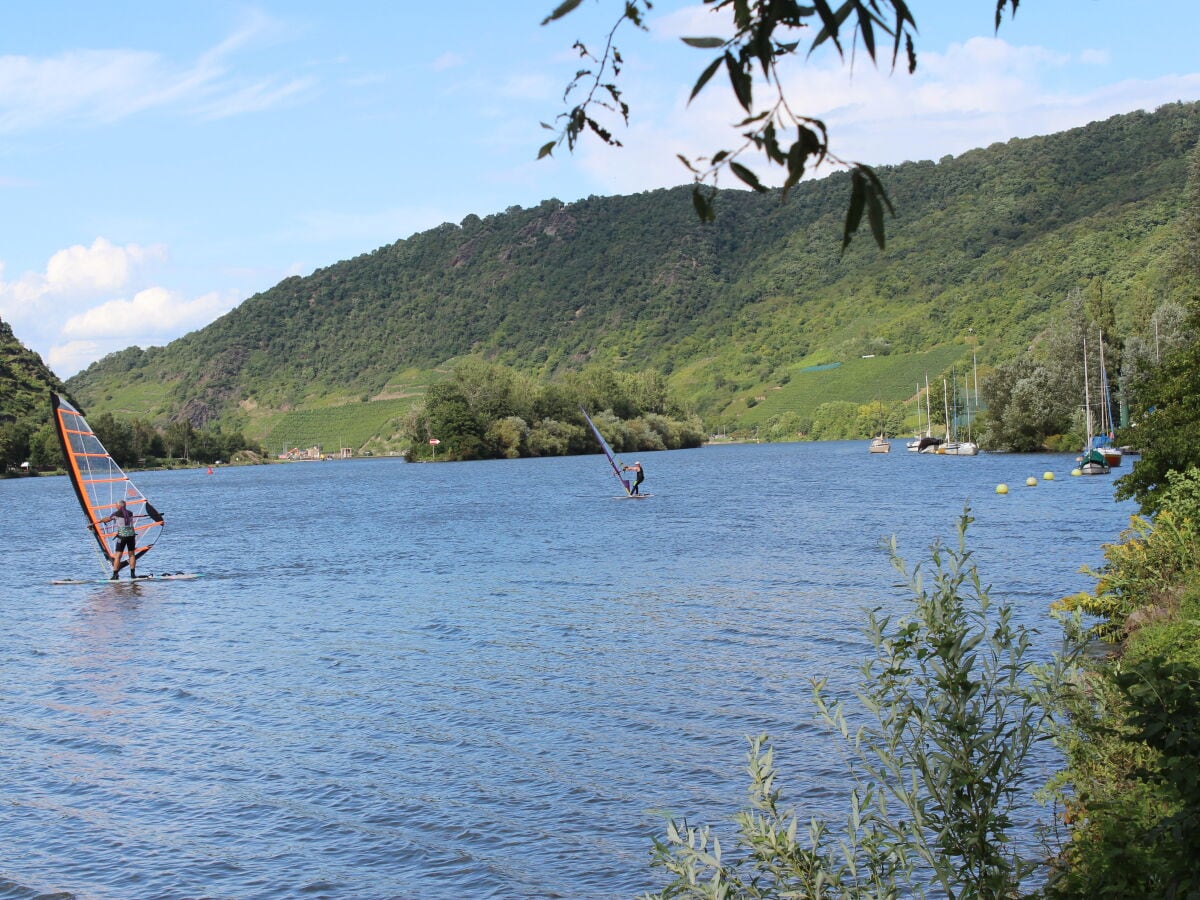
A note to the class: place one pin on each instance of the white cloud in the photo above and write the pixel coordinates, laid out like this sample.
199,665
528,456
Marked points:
255,98
68,314
692,21
367,229
449,60
152,314
67,359
98,268
104,86
74,275
1095,57
972,95
529,87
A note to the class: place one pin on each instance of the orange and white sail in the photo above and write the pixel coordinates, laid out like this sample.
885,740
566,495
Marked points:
99,483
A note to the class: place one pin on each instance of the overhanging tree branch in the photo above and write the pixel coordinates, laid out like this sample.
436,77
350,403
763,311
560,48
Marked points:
763,36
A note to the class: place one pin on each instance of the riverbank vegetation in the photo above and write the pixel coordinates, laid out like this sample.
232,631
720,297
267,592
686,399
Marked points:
1131,790
950,706
937,752
131,443
489,411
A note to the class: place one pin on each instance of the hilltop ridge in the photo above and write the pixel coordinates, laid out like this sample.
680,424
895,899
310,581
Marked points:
983,249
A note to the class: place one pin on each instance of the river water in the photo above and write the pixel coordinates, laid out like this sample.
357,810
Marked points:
471,680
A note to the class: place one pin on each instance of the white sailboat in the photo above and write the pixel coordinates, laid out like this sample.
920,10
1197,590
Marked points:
927,443
967,447
1103,441
1092,462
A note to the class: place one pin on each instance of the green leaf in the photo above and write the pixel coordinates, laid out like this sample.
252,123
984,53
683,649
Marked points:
877,186
867,30
747,176
832,24
704,77
707,43
739,80
702,204
858,200
547,149
561,10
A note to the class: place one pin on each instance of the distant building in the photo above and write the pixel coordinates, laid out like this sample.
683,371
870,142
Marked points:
296,454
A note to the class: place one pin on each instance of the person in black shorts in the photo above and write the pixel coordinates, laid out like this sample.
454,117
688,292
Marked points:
126,538
640,476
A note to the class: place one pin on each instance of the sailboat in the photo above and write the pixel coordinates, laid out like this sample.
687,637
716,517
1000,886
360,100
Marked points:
926,443
880,443
99,484
967,447
1104,440
915,443
1092,462
612,460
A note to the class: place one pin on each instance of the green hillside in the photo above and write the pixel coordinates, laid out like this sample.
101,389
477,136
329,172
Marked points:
25,381
889,379
984,249
334,427
25,385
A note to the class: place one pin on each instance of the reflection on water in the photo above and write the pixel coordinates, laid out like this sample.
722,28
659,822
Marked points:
470,680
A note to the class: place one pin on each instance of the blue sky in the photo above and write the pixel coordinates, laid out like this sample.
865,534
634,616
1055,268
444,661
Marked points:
161,162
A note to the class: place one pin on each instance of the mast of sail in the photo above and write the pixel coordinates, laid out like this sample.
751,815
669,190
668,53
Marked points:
612,460
98,481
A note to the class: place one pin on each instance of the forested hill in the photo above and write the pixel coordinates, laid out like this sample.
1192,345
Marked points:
987,244
25,385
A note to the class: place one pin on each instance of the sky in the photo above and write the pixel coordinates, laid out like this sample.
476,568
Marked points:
161,162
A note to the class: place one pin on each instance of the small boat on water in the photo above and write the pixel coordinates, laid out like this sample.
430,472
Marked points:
958,448
880,444
924,443
1093,461
1104,440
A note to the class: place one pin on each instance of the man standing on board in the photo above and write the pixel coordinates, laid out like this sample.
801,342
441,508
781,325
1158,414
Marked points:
126,539
640,477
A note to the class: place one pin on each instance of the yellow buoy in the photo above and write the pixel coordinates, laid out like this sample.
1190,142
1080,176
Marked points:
1077,471
1048,476
1031,481
1002,489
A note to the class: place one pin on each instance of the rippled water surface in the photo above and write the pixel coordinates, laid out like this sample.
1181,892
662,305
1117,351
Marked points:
473,680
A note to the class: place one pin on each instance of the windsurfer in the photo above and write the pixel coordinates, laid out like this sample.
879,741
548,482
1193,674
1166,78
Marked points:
636,468
126,539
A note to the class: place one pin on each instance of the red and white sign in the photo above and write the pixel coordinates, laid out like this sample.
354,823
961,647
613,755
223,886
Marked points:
434,441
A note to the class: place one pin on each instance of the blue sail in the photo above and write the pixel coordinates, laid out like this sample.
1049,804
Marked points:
612,460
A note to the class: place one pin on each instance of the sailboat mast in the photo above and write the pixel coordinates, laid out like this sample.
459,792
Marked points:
975,369
1106,417
967,390
1087,397
928,409
946,404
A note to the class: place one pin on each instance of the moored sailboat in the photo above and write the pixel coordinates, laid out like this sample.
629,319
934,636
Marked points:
1103,441
1092,462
